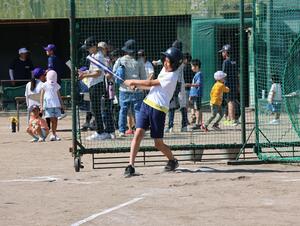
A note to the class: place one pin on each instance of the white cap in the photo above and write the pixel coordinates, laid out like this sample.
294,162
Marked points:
23,50
51,77
219,75
102,45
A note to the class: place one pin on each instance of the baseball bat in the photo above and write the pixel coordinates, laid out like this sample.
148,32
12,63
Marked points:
103,67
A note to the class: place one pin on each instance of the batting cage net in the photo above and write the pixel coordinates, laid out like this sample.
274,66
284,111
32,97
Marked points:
128,38
277,78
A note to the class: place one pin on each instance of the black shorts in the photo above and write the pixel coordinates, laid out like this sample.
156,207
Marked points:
196,102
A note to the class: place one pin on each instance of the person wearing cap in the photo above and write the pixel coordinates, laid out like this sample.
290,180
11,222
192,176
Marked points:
51,102
34,87
127,97
54,62
216,99
21,68
95,82
232,81
154,108
148,66
109,93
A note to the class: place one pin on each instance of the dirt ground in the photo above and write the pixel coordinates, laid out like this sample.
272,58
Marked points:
38,186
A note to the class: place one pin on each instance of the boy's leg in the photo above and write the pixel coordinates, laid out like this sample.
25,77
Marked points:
135,144
124,104
220,111
96,93
161,146
213,115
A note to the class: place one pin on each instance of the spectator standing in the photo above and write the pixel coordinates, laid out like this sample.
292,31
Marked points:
275,99
54,62
195,94
21,68
109,94
51,102
148,65
95,83
133,70
229,67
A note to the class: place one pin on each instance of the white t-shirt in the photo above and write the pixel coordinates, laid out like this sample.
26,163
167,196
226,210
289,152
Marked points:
93,81
28,92
162,94
275,88
51,99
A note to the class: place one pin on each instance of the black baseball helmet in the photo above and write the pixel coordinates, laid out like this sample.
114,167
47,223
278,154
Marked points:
89,42
175,56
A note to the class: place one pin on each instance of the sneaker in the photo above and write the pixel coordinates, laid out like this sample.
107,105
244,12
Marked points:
41,139
97,136
226,122
112,136
195,127
129,171
57,138
52,138
169,130
85,126
216,127
62,116
129,132
171,165
275,122
235,123
35,139
122,134
184,129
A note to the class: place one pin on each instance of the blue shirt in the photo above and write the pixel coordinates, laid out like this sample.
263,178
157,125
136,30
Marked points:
54,63
197,80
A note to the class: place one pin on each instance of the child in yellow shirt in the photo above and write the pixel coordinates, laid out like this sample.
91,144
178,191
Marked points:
216,98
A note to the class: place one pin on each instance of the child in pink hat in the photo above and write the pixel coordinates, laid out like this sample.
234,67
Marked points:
51,102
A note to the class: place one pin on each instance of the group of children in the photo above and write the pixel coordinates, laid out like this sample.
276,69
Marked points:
43,99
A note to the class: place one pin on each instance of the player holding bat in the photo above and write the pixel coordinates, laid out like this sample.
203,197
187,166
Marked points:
154,108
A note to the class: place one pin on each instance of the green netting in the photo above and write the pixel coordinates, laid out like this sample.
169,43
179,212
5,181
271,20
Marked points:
277,61
204,27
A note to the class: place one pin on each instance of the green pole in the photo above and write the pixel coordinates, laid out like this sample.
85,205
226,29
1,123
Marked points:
255,76
242,70
73,73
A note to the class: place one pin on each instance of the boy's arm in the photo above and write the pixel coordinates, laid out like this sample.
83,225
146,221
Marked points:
142,84
226,89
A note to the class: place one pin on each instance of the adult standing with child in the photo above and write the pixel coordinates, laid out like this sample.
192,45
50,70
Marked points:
95,84
127,97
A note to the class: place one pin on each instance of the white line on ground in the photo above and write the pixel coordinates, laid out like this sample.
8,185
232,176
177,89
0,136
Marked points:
32,179
291,180
92,217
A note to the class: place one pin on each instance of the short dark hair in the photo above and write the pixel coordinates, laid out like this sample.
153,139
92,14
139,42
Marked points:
275,78
187,56
196,62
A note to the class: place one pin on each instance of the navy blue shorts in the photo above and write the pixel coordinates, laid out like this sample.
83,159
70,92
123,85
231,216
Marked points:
150,117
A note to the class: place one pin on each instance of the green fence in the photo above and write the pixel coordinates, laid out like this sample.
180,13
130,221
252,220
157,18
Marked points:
264,44
276,34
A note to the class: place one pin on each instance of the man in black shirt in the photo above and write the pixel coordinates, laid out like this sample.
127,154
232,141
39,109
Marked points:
229,67
21,68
